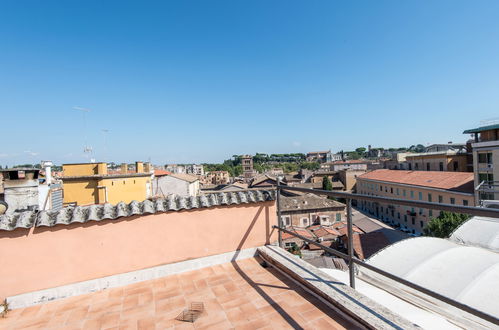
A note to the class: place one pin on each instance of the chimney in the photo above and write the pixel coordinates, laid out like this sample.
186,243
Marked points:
139,167
124,168
48,171
147,167
102,168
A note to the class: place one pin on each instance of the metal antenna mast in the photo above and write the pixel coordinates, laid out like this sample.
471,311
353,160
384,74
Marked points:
104,132
86,148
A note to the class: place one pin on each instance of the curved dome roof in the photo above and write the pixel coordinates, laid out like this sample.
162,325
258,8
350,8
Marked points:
478,231
466,274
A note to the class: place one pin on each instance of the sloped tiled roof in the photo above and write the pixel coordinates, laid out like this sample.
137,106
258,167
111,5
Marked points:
365,245
161,172
82,214
299,231
457,181
325,231
186,177
307,202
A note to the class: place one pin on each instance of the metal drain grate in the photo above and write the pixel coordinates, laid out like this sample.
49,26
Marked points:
192,313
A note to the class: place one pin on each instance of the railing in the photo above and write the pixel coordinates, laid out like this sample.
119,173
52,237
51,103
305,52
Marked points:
486,188
352,260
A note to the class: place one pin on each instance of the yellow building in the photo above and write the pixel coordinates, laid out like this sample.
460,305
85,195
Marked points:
90,183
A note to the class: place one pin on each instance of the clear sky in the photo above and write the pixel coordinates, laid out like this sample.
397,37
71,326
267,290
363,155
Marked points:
199,81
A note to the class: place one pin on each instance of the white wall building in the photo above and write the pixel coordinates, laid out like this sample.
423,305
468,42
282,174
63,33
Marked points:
178,184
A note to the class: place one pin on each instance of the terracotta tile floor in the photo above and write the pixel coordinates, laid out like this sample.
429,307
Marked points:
241,295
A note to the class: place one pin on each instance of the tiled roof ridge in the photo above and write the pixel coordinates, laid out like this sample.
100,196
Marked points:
98,212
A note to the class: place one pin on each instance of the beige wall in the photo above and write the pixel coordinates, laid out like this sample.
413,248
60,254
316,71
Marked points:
81,192
43,258
400,213
84,169
306,219
85,191
435,160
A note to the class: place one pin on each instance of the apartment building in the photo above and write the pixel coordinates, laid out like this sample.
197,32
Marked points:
320,156
194,169
485,148
90,183
308,209
217,177
176,184
430,186
449,160
359,165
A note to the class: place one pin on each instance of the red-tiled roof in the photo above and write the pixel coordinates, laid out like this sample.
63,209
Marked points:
365,245
302,232
458,181
161,172
325,231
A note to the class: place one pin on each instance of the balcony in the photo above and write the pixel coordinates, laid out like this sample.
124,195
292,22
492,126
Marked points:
145,264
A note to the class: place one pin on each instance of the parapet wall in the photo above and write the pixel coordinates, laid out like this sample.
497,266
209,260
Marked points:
65,247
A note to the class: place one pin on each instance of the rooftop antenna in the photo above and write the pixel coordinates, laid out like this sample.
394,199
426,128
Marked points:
86,148
104,132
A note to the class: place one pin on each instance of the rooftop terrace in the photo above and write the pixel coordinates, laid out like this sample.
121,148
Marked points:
242,295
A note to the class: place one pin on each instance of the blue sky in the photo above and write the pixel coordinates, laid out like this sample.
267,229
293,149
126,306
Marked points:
199,81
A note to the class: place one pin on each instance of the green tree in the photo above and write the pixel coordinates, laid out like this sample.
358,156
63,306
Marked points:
443,225
326,183
360,150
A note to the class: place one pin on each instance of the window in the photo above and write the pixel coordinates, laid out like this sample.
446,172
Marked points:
465,202
380,188
398,215
412,194
286,220
420,211
440,199
338,216
452,200
485,158
487,177
403,192
421,224
430,213
304,222
441,166
398,192
391,190
405,218
420,195
324,220
427,166
413,220
429,198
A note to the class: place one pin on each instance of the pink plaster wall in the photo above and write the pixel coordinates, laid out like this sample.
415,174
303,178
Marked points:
43,257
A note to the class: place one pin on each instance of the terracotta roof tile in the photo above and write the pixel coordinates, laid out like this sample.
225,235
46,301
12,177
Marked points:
457,181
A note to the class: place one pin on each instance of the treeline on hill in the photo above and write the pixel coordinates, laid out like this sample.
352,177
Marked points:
364,153
264,162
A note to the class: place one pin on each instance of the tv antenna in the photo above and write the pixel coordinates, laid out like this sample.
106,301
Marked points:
104,132
86,148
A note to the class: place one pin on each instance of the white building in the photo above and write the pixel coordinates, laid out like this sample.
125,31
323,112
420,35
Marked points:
178,184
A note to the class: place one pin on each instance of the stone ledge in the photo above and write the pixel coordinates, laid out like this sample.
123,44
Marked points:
349,301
